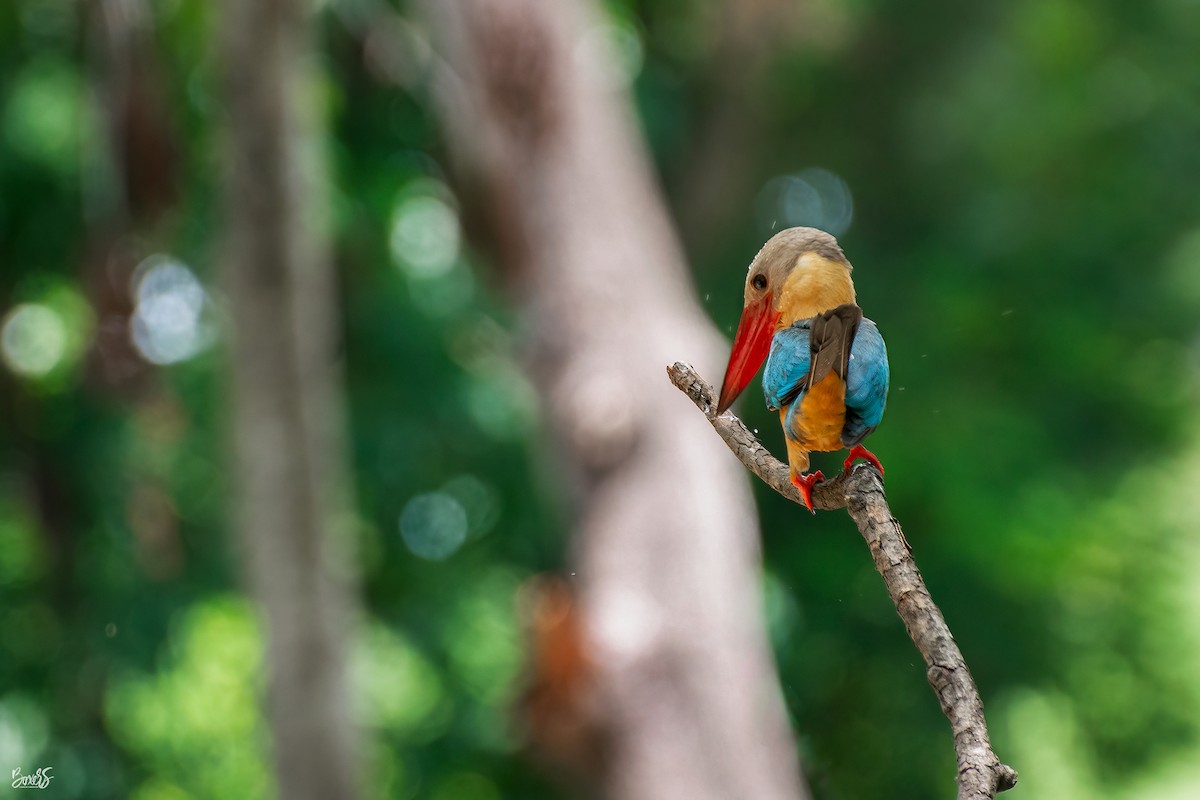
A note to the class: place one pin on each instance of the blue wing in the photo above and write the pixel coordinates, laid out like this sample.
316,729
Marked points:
787,365
866,384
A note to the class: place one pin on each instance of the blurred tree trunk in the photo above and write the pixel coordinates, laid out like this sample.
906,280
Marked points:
666,537
289,474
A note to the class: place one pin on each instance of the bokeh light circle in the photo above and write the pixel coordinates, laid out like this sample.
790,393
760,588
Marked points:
433,525
168,325
33,340
425,235
813,197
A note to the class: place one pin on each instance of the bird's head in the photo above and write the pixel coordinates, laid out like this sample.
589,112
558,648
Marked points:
798,273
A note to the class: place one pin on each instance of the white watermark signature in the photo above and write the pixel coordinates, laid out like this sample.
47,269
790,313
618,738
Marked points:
34,780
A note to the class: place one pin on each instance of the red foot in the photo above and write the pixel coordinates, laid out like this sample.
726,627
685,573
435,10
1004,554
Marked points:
858,451
805,484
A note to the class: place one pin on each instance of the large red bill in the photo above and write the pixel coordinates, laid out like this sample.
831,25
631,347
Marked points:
751,344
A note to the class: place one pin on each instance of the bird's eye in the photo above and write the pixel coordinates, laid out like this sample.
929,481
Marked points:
759,282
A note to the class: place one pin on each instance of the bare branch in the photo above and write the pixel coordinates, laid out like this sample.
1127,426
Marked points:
980,773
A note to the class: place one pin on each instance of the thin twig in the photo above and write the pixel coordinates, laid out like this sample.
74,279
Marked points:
980,773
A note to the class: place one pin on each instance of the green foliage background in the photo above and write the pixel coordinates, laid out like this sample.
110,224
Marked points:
1026,233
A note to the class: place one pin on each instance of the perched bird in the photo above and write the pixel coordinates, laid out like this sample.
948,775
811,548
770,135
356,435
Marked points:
827,369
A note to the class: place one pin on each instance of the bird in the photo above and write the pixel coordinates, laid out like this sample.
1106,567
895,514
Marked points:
826,364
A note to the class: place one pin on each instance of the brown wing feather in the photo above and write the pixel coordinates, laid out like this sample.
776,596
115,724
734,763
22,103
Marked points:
830,339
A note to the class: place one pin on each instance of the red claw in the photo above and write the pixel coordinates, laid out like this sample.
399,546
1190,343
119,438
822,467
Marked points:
805,484
858,451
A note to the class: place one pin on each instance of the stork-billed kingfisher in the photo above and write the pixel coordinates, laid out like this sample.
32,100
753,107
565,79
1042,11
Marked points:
827,369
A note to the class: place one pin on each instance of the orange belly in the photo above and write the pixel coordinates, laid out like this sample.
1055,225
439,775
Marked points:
821,416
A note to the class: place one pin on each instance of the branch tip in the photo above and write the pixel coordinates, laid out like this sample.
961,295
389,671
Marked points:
860,491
